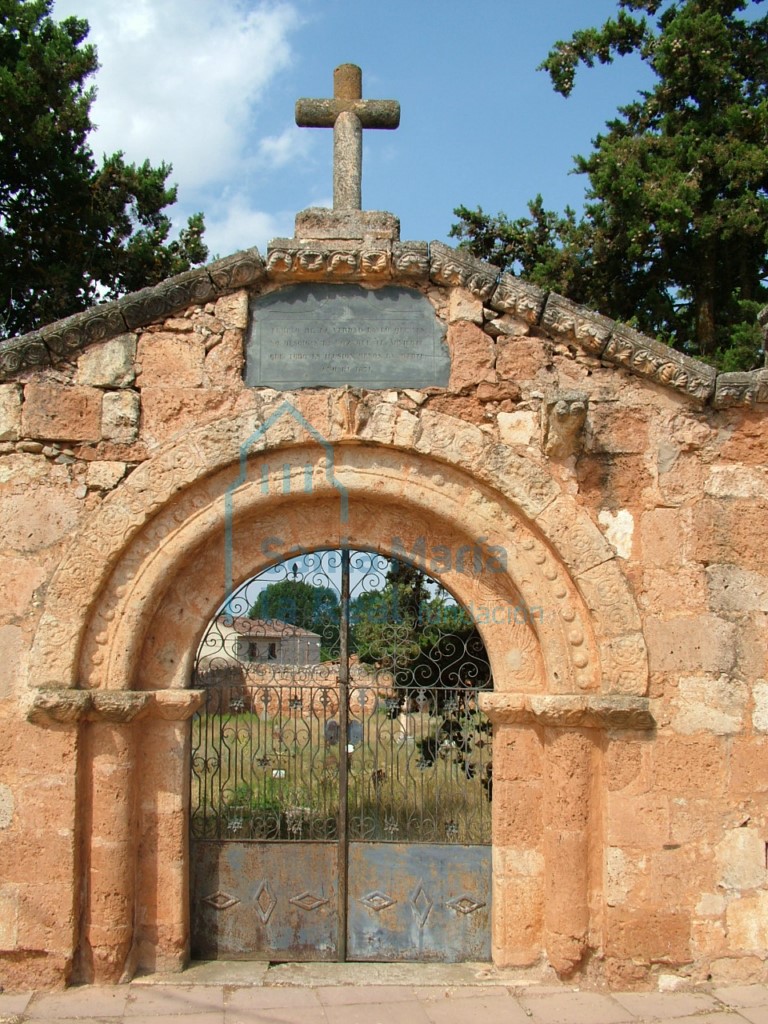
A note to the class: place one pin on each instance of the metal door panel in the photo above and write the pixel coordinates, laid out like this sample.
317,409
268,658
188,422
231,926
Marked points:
419,902
264,901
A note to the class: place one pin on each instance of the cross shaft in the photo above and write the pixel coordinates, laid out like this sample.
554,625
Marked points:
347,113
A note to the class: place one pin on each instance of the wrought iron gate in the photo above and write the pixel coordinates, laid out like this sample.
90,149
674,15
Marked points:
341,769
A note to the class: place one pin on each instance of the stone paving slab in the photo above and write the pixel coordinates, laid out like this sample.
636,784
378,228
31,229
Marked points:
575,1008
755,1014
374,994
742,995
670,1005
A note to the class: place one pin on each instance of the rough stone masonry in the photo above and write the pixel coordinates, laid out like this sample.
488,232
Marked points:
627,484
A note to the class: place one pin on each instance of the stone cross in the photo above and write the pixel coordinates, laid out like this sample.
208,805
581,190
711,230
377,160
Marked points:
347,113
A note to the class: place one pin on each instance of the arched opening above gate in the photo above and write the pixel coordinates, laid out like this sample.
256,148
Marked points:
341,768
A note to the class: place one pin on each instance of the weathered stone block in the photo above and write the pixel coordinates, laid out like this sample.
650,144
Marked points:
521,359
637,822
166,411
120,416
760,713
6,806
748,766
747,922
653,935
60,413
700,643
618,428
170,360
737,481
690,764
740,856
520,427
103,476
9,916
232,310
464,306
10,412
707,704
731,532
109,364
661,537
472,355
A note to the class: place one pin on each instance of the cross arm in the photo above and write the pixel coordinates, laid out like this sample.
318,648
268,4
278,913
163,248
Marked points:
371,113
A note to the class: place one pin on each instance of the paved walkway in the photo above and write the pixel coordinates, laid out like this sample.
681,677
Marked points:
373,994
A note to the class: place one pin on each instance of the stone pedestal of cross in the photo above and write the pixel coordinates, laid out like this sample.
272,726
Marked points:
347,113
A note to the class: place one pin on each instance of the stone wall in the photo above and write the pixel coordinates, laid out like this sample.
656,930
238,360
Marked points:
628,486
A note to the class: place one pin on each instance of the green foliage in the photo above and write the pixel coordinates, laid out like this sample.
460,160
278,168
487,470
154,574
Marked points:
674,236
71,232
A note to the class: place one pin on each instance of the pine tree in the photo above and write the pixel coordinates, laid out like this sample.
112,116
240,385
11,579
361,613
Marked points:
71,232
674,236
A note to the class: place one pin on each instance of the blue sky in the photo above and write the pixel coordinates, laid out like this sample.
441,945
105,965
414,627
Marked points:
210,86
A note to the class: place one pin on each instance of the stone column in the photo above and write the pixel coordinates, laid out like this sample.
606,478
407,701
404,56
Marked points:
109,852
518,864
567,810
161,941
547,819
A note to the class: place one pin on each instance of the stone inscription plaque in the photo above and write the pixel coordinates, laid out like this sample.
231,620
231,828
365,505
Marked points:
324,335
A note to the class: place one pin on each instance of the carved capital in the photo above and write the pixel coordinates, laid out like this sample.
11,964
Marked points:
175,705
117,706
568,712
58,707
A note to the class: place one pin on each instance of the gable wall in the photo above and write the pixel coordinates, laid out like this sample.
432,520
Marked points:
676,494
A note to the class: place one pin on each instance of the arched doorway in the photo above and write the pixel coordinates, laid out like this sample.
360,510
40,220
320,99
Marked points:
341,768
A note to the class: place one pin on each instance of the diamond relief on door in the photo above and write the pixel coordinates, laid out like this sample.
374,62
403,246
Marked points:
307,901
421,903
220,900
265,901
377,901
465,904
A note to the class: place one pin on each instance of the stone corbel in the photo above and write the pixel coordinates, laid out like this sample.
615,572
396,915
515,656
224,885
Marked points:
568,711
564,417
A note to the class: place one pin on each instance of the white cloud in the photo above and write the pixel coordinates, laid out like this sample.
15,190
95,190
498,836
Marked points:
235,224
181,80
291,144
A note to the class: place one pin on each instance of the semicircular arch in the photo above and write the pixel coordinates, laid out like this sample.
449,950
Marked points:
222,497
